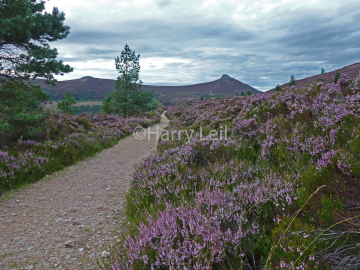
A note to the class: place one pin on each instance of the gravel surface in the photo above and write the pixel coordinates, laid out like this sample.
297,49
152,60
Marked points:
68,219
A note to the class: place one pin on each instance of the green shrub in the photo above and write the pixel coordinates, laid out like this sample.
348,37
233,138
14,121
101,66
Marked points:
330,207
84,122
337,77
278,88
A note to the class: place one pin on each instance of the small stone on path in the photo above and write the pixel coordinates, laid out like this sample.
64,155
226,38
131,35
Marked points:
105,254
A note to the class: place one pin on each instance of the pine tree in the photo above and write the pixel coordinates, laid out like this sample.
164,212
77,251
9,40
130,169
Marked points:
292,81
25,33
278,88
322,70
106,104
337,77
20,113
128,96
68,104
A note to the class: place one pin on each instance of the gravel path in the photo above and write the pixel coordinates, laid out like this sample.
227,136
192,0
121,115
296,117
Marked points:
69,218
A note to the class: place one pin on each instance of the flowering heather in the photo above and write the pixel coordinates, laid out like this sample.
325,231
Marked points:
69,138
222,204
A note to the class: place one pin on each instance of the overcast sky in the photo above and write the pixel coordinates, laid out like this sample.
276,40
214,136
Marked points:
181,42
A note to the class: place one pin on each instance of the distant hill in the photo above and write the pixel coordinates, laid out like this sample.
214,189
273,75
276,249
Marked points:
89,88
351,70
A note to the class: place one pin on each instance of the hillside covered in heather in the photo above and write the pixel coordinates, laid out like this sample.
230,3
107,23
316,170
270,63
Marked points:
328,77
258,184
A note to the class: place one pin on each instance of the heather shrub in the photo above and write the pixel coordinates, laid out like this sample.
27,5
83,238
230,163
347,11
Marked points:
244,190
65,140
330,208
293,245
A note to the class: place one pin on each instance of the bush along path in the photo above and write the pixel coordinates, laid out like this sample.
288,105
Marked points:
63,140
67,220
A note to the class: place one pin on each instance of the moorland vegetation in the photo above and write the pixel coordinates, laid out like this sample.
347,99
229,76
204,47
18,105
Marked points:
281,191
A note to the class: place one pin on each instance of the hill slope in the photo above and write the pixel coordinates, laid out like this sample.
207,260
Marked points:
352,71
89,88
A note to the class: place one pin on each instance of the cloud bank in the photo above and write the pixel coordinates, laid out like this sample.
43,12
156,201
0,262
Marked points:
185,42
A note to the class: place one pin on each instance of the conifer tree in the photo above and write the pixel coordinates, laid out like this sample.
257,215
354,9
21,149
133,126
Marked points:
67,105
337,77
19,110
322,70
128,96
277,88
292,81
25,53
25,33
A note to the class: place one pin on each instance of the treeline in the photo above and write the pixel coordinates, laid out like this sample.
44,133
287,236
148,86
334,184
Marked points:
83,95
87,109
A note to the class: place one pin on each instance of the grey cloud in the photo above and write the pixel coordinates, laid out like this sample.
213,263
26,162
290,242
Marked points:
91,37
308,40
165,31
315,29
298,42
99,51
164,3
